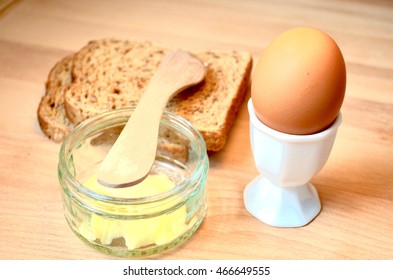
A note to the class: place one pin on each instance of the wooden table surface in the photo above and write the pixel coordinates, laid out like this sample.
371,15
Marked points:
355,186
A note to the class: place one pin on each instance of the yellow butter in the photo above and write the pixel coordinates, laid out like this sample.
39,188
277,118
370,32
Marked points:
137,233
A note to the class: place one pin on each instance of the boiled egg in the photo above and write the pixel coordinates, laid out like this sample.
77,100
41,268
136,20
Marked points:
298,84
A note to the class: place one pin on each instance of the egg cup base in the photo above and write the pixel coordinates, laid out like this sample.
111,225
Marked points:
279,206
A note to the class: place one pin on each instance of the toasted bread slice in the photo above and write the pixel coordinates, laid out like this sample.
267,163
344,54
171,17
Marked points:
51,113
110,74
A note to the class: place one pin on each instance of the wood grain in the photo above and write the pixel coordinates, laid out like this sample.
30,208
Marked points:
355,186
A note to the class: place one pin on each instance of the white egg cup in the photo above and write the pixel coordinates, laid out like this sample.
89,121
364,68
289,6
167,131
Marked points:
282,195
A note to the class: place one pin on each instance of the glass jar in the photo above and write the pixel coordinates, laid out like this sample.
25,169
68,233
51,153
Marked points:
161,214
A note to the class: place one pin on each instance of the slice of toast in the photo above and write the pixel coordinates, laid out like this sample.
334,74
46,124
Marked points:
109,74
51,112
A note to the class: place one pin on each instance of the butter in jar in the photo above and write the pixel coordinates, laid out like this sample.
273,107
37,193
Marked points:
154,216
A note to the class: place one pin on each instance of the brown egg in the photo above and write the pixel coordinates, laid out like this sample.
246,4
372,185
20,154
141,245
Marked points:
298,84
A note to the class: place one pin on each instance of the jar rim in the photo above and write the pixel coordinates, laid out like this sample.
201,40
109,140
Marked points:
98,121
